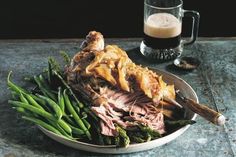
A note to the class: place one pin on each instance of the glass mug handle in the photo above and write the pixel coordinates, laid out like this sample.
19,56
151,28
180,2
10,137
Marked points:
196,17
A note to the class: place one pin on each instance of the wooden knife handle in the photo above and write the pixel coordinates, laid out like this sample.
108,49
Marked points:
206,112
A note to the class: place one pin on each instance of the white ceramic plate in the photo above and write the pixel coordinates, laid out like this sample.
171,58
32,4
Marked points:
179,83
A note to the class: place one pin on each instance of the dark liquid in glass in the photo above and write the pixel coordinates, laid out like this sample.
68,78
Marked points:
162,43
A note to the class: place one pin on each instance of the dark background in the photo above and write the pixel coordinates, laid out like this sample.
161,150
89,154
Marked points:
114,18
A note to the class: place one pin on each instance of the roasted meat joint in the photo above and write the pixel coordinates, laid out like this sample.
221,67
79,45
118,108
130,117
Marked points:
119,91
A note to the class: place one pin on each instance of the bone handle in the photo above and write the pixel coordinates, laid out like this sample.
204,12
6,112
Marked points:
206,112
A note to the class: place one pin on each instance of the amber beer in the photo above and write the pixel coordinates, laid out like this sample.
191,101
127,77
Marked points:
162,31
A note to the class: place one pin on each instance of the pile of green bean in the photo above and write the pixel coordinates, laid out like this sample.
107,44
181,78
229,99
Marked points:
55,111
54,106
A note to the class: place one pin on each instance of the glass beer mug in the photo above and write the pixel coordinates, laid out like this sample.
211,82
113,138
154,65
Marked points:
163,27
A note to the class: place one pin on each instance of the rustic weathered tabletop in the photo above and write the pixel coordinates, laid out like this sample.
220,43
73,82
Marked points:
214,82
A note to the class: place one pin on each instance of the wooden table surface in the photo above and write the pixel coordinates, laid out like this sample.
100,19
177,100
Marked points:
214,82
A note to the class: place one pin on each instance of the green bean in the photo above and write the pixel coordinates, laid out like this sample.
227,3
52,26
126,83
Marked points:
13,86
76,131
32,109
22,111
49,72
43,81
33,102
64,132
29,101
65,126
43,124
68,87
54,105
60,129
42,113
23,99
77,109
44,90
75,115
61,101
86,123
67,118
84,115
41,102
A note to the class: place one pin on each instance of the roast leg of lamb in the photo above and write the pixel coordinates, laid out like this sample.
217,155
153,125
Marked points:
121,92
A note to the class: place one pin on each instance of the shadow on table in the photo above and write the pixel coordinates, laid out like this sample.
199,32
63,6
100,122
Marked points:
136,56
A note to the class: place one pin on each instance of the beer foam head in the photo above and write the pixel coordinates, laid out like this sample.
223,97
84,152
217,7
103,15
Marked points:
162,25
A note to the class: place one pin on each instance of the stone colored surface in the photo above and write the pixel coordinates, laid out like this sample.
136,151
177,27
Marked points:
214,82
